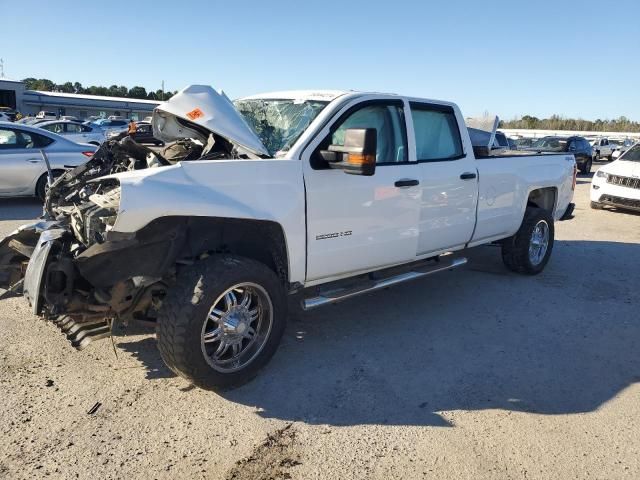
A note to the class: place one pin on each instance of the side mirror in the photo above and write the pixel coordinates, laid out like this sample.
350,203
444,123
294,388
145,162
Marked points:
358,154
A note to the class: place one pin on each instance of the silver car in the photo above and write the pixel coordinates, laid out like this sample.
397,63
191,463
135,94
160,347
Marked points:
23,171
75,131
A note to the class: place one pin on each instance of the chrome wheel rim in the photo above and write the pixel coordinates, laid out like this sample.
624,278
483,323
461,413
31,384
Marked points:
237,327
539,242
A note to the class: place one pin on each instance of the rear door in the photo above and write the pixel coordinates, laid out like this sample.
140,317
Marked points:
448,179
357,223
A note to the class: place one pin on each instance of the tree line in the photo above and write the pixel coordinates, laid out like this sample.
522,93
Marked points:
46,85
557,122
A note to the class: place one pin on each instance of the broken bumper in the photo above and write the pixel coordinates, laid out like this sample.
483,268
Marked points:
34,281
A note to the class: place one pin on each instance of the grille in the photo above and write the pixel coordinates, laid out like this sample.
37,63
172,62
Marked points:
624,181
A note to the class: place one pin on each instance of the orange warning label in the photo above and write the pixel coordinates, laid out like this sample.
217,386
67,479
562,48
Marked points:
195,114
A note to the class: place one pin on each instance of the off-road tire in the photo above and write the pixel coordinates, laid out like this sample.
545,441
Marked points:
586,167
596,206
184,309
515,249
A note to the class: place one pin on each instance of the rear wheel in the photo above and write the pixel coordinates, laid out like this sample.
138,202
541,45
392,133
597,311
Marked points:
222,321
528,251
42,185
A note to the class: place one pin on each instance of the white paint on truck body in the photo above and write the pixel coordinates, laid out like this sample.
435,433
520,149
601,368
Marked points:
338,225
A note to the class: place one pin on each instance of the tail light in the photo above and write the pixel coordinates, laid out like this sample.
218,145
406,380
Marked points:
575,176
88,154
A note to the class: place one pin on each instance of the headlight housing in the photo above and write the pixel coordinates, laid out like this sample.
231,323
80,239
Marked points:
601,174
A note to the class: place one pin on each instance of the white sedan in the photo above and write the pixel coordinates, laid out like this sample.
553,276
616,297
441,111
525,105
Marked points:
618,184
23,171
75,131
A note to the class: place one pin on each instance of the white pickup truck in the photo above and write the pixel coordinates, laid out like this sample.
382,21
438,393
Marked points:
319,194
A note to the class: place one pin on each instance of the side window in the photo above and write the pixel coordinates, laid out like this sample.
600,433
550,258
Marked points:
85,128
34,140
73,128
437,133
50,128
8,139
388,120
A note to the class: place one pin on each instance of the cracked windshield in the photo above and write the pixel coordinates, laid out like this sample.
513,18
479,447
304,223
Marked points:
279,123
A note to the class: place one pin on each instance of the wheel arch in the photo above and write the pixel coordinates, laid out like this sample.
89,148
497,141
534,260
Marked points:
261,240
545,198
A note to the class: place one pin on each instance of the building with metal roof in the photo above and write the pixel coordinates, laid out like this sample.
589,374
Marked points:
29,102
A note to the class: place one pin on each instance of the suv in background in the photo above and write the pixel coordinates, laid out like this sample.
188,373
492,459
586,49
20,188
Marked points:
578,146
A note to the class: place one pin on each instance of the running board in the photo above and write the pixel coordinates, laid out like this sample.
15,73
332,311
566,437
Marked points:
339,294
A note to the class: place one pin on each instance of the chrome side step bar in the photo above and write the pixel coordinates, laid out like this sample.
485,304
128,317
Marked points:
339,294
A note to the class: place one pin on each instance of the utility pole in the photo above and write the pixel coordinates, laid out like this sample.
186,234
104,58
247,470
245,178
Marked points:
162,90
1,68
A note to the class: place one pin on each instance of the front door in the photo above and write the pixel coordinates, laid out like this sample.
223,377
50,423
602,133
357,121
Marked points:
448,179
357,223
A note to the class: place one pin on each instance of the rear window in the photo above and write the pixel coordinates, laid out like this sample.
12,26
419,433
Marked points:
436,132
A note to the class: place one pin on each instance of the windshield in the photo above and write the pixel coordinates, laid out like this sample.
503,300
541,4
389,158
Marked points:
551,144
632,155
279,123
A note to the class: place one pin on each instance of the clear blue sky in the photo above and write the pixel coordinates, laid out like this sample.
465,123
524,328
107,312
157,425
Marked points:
575,58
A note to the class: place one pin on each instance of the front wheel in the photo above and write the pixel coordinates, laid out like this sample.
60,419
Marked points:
528,251
222,321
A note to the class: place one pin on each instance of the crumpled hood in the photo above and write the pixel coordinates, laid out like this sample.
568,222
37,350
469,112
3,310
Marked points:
623,168
203,106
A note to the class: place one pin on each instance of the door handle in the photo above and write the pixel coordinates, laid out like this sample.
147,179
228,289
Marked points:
406,182
468,175
33,160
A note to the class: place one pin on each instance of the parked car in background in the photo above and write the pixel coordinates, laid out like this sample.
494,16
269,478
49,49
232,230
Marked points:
618,184
112,125
578,146
144,134
620,146
46,115
75,131
602,148
524,142
70,117
23,171
8,112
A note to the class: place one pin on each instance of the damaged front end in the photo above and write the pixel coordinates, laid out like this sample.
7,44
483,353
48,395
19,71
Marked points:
73,267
